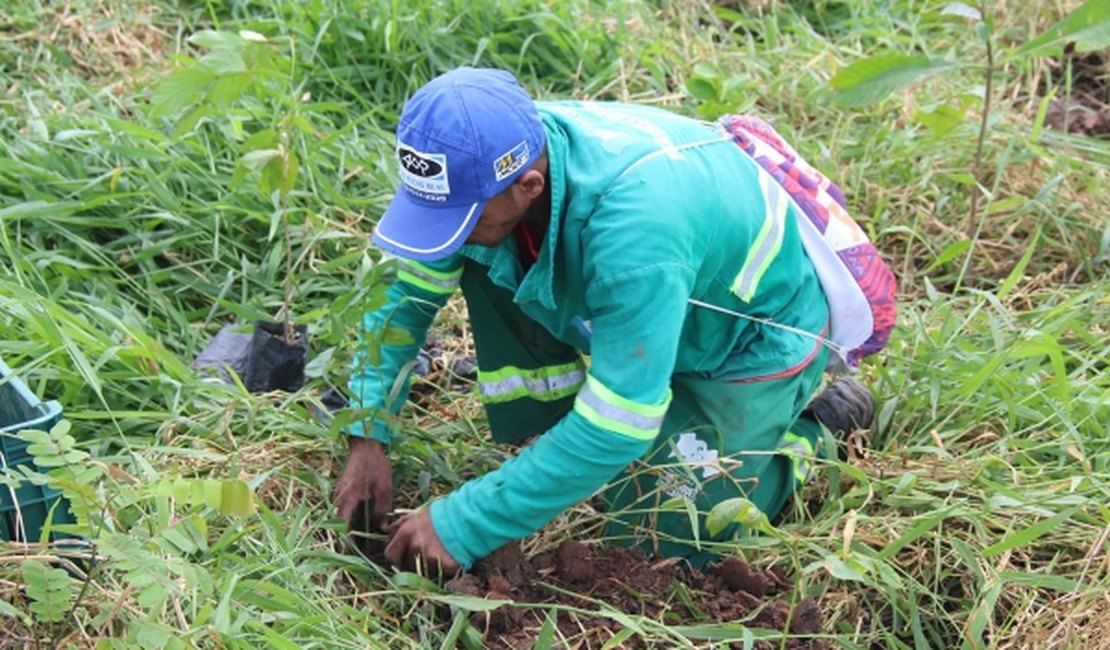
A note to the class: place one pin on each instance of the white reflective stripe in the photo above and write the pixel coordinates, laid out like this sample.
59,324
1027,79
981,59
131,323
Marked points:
768,242
610,411
800,452
531,383
427,278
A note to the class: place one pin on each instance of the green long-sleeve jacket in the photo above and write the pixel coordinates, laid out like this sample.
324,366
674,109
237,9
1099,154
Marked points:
650,210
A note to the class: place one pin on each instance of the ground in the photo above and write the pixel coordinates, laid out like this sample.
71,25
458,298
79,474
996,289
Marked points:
1086,110
579,576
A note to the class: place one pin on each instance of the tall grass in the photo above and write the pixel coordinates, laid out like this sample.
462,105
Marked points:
975,518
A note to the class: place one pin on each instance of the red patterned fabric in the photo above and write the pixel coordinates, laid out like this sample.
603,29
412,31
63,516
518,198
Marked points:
823,203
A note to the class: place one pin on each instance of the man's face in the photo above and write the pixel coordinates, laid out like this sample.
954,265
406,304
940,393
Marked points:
503,212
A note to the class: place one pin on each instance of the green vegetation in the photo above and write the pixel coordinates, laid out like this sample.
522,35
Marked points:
169,166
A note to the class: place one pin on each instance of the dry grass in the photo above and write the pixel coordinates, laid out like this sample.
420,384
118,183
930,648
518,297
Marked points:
105,39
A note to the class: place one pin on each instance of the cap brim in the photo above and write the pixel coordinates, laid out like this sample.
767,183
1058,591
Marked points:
415,231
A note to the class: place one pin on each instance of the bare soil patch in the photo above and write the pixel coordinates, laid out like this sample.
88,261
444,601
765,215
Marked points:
1086,110
579,576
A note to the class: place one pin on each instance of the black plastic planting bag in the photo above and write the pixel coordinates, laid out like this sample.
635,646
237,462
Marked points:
272,362
261,358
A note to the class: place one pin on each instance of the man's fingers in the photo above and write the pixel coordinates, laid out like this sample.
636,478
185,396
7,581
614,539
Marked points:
382,505
346,499
345,507
398,546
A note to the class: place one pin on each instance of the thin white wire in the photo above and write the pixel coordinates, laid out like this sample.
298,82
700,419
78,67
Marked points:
839,350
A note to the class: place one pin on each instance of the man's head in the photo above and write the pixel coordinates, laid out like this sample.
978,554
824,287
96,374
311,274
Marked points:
464,138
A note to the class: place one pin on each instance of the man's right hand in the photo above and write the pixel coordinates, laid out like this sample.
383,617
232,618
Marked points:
366,484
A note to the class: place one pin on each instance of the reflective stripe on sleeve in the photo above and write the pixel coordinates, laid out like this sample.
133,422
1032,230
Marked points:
612,412
800,452
545,384
767,243
428,279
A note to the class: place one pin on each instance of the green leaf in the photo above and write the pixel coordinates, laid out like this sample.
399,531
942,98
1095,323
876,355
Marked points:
396,336
259,158
1029,534
212,40
289,173
208,492
1019,269
547,632
923,525
191,119
1043,581
223,62
962,178
950,252
221,621
273,175
134,129
871,80
469,603
701,88
9,610
318,366
236,498
849,568
248,35
36,209
228,88
962,10
737,510
179,91
1042,113
148,634
1104,248
265,139
275,639
941,120
50,590
1088,27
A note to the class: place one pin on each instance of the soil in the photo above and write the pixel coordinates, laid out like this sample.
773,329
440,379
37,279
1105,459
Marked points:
1087,110
577,575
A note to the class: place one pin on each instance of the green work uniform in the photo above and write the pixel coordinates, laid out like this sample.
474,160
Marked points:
668,334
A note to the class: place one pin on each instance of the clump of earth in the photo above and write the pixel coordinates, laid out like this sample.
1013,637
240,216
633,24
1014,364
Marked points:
580,576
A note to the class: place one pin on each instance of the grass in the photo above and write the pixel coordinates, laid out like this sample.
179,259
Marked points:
976,518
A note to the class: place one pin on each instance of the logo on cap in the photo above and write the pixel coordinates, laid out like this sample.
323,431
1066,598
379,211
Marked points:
425,174
508,163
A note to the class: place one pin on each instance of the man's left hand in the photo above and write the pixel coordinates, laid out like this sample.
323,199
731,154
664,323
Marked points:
413,540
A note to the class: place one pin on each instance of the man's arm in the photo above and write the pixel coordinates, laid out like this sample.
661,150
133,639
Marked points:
617,415
380,381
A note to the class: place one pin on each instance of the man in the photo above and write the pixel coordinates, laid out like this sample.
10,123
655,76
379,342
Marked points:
650,244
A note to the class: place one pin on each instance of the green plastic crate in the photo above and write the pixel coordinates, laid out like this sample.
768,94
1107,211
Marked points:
24,510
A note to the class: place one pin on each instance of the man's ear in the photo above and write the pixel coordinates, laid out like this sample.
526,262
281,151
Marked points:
531,183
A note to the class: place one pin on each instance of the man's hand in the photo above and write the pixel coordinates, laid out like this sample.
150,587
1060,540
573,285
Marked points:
365,489
414,543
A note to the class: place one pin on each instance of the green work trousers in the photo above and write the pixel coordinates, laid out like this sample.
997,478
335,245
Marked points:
719,440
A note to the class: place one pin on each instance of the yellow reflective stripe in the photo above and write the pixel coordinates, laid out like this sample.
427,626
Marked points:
767,243
610,411
545,384
800,452
428,279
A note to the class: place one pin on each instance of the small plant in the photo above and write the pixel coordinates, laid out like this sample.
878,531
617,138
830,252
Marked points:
874,78
240,82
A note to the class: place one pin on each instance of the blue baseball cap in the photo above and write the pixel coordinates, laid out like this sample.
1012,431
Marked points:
462,139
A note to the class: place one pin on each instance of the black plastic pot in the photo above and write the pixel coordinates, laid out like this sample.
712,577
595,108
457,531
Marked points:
259,355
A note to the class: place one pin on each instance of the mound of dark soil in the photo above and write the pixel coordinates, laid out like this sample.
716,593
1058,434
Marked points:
576,575
1086,110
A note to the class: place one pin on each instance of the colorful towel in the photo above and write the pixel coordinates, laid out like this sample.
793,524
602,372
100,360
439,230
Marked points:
859,285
